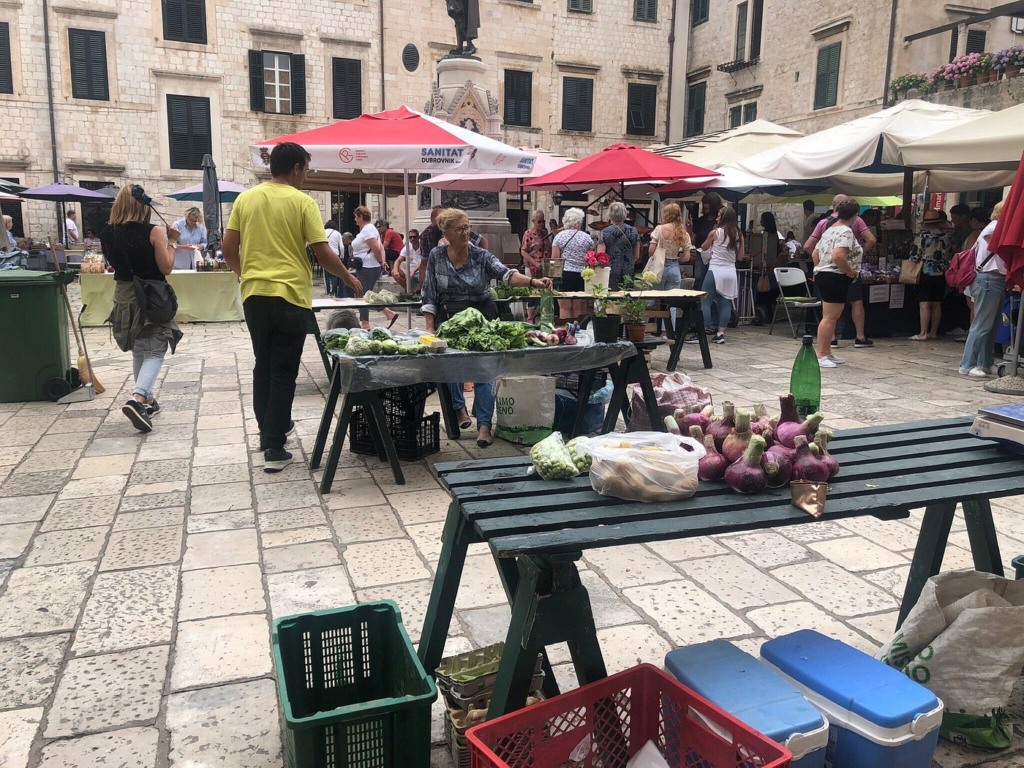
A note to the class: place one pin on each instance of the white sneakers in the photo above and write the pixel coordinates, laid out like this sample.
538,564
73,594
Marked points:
977,372
830,362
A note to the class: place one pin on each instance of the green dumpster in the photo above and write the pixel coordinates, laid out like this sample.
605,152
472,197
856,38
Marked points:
33,333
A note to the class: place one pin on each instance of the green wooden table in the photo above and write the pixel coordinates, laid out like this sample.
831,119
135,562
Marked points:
537,530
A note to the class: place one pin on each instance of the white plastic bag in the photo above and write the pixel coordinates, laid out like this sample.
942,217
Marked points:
525,408
643,466
552,460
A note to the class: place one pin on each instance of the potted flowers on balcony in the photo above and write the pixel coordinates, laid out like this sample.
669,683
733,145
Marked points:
964,69
596,271
1008,61
900,85
633,306
985,70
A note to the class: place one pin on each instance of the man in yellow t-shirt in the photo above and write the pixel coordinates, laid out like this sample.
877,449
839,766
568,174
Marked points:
265,245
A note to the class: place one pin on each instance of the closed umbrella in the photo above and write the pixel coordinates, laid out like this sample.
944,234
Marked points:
1007,240
211,203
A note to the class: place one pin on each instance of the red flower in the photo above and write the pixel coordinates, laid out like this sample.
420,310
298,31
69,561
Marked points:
595,259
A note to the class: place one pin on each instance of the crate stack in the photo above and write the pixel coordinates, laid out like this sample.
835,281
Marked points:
467,683
415,435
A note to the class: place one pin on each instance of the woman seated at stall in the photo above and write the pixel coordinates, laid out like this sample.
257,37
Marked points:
458,277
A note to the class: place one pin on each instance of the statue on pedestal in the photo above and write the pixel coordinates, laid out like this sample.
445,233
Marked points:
466,15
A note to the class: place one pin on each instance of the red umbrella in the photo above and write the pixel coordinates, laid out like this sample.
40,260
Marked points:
618,164
1008,238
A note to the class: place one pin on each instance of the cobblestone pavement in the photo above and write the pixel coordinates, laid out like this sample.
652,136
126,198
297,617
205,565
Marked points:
139,574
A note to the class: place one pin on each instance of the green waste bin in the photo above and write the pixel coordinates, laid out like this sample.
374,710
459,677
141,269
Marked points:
33,333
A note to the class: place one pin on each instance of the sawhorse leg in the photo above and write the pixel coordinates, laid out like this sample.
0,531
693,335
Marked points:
931,546
313,327
373,409
325,421
551,606
981,531
455,540
451,420
582,400
334,456
678,333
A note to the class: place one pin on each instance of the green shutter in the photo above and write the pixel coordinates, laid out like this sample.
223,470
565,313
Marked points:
581,6
188,131
195,21
347,88
577,104
826,83
98,66
695,109
177,131
756,22
88,57
740,53
975,41
641,109
201,138
518,98
699,11
256,102
6,71
174,19
298,84
645,10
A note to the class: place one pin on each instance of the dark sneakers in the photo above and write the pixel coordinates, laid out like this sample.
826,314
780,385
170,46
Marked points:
862,343
276,459
138,415
152,409
287,433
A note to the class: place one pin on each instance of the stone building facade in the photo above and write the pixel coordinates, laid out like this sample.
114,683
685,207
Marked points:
141,87
810,66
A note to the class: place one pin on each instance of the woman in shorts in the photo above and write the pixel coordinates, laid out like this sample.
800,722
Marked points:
839,257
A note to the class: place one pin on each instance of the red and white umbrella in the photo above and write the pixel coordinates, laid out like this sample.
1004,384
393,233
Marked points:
400,140
499,182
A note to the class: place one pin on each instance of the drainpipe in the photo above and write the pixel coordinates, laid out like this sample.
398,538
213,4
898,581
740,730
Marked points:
53,115
381,34
888,56
671,59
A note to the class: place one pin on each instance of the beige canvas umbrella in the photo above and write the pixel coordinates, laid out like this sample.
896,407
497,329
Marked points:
713,150
993,142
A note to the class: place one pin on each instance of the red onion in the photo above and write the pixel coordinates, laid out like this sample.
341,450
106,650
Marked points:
739,438
762,423
821,440
714,464
779,457
746,475
697,434
720,429
671,426
787,431
807,466
787,410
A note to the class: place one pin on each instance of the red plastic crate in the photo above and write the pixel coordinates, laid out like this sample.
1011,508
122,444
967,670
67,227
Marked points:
620,714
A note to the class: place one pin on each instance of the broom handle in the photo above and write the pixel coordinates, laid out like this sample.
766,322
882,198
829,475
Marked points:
67,301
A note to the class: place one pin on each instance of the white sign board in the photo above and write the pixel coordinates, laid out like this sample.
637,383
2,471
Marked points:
896,292
878,294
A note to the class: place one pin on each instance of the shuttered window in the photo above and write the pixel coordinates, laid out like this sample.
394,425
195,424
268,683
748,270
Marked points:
581,6
826,82
975,42
695,97
347,88
756,22
699,11
87,49
750,112
741,32
577,104
188,131
735,117
6,72
642,99
277,82
185,20
518,98
645,10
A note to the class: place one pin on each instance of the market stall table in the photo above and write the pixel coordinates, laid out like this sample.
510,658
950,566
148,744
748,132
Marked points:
362,378
538,530
203,297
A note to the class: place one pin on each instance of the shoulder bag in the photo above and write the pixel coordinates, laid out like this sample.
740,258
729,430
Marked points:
656,264
910,271
964,267
156,299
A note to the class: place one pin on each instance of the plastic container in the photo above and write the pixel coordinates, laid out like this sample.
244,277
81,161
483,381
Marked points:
34,343
747,689
571,382
607,722
878,717
405,404
353,692
805,379
413,440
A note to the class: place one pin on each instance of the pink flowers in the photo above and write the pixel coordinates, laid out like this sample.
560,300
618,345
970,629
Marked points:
967,64
594,259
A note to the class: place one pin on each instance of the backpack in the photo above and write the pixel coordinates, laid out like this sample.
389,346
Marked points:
963,268
156,299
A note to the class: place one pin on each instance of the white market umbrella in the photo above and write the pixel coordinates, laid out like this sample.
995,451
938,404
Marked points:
990,143
722,148
499,182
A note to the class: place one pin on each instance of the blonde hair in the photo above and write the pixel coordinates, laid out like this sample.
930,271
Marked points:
194,210
128,210
449,218
673,221
996,210
8,221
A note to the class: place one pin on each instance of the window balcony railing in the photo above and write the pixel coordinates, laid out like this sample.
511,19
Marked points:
738,64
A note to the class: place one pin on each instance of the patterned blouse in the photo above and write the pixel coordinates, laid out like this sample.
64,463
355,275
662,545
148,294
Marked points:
470,282
573,245
932,246
537,244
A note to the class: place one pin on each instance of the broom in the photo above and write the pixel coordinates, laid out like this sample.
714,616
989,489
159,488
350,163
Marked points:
84,368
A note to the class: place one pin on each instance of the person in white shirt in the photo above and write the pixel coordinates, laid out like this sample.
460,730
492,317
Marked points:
332,284
988,291
71,227
368,254
417,265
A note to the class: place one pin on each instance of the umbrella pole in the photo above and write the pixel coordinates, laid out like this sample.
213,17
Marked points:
1016,337
408,260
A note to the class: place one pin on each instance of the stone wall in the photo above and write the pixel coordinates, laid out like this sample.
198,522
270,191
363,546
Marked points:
993,96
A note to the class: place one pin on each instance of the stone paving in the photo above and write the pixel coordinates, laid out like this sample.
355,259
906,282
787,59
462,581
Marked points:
139,575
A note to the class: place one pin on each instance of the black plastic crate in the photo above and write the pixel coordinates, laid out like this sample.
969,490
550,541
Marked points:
571,382
405,404
413,440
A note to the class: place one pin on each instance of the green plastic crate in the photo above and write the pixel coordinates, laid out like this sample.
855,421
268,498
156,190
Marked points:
353,691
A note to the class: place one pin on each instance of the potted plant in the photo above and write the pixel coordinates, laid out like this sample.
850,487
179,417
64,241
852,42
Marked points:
633,306
937,79
985,69
902,84
600,272
1008,61
963,69
606,329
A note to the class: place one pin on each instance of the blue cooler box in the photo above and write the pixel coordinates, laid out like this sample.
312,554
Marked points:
747,689
878,717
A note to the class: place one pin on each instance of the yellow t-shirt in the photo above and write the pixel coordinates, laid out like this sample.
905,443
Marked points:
274,222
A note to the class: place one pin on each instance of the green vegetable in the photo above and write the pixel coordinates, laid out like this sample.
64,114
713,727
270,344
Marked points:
337,342
552,460
510,292
389,347
470,330
581,460
380,334
409,298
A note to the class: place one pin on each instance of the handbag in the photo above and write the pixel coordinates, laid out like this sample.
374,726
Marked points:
910,271
656,264
963,268
156,299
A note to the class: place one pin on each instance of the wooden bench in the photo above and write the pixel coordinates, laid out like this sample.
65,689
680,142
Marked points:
538,530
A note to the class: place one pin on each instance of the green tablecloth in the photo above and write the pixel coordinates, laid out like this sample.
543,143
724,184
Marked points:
203,297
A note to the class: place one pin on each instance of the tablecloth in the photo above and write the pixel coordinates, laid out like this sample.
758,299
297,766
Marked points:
203,297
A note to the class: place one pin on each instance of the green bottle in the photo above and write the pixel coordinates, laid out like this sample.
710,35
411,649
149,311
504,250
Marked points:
805,381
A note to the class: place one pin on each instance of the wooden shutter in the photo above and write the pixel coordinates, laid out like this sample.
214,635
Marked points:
641,105
177,131
750,112
6,71
518,97
645,10
756,22
695,109
195,21
189,133
735,117
298,84
200,134
975,41
826,84
741,32
97,47
174,19
88,56
699,11
347,88
581,6
256,103
577,104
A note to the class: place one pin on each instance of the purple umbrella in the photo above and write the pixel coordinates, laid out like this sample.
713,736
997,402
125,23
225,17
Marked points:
64,193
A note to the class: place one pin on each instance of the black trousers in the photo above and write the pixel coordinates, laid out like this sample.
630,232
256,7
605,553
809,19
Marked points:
278,331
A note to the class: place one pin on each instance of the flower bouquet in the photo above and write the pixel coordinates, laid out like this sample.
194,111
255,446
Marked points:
597,272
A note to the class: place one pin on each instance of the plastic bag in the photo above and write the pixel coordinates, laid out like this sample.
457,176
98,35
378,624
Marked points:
672,390
643,466
551,459
580,459
525,408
